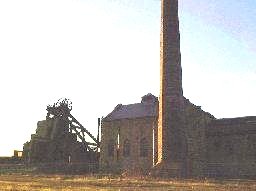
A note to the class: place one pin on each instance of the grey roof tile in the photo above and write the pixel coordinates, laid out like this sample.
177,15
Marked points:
136,110
147,108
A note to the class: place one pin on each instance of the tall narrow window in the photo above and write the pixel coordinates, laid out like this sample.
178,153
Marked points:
126,151
111,148
118,138
143,147
118,144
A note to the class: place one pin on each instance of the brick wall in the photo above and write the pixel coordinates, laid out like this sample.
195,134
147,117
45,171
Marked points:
133,130
231,148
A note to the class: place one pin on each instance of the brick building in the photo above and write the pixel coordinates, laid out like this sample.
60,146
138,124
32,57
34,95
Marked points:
127,136
216,147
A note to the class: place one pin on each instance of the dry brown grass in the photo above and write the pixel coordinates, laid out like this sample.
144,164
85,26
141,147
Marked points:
19,182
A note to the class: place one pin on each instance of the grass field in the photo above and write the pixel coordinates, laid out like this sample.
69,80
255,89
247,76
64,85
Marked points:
22,182
22,178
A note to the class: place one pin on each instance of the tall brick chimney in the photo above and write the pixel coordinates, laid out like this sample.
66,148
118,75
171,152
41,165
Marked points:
172,147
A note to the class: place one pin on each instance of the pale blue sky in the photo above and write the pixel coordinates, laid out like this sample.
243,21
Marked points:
100,53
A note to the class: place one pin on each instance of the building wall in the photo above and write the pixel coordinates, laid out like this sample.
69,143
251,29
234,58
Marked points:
231,149
220,147
133,130
196,122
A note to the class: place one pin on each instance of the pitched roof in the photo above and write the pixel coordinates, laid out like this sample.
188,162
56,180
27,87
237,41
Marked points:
147,108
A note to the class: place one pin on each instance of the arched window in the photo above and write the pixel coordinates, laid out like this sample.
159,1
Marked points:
126,151
111,148
143,147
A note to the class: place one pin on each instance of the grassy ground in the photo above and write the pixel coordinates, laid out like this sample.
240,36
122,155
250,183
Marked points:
22,178
19,182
